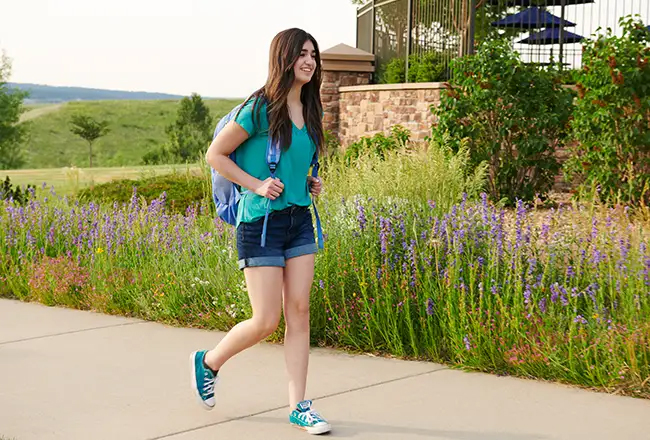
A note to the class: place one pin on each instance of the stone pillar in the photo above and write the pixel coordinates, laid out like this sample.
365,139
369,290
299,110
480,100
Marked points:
342,66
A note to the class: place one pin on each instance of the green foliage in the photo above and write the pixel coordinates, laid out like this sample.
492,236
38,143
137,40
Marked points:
466,284
18,195
429,67
181,191
189,136
379,144
611,121
137,127
412,176
394,73
88,129
12,134
513,115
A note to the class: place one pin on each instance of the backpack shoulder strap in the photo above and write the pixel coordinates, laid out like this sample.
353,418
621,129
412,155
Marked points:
314,173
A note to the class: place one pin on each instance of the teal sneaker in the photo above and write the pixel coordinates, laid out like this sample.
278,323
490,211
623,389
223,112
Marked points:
203,380
305,418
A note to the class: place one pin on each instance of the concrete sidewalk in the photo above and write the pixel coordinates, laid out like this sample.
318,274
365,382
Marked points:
67,374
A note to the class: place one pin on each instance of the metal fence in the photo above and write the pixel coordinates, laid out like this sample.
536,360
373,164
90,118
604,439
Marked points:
406,35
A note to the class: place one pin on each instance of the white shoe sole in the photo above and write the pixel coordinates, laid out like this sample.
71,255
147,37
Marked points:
193,384
315,430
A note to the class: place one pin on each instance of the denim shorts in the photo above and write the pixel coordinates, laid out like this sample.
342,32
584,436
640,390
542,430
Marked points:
289,234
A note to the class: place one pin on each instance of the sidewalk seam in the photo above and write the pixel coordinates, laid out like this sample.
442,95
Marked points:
326,396
71,332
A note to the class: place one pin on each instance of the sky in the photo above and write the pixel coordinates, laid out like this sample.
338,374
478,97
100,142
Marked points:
217,48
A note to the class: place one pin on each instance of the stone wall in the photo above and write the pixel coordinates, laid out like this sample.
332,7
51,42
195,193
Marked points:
370,109
330,96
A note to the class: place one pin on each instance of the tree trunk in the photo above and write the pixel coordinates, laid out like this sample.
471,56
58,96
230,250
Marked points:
90,156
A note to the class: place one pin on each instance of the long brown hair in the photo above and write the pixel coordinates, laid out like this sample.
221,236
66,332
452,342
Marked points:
284,52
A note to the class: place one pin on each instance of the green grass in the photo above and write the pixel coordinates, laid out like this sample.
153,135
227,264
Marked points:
137,127
68,181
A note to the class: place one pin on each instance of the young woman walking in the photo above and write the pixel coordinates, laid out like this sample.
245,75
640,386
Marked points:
279,275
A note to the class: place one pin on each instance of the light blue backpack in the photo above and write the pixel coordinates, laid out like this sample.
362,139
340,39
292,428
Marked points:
226,194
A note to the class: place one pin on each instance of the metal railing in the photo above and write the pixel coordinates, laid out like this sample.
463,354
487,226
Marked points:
414,40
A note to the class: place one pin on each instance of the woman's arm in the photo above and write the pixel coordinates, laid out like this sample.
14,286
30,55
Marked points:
227,141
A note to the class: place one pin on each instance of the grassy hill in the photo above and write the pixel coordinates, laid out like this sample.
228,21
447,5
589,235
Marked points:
137,127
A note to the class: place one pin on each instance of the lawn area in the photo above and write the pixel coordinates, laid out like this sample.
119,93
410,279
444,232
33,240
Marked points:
68,181
136,128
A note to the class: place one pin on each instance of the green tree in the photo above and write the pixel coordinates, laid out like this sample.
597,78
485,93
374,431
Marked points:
12,133
89,130
514,116
611,124
191,133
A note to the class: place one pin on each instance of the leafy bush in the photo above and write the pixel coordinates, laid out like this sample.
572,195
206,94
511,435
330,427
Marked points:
378,144
179,191
394,73
18,195
611,124
429,67
514,116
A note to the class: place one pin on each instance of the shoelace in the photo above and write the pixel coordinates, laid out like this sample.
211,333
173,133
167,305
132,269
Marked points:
311,416
208,384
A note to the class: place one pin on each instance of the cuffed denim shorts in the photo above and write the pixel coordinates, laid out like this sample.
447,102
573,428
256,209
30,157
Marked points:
289,234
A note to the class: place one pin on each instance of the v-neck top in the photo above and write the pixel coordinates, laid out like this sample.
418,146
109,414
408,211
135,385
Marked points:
292,169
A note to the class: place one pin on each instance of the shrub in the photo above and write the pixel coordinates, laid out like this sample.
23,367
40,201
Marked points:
429,67
611,124
378,144
514,116
179,191
18,195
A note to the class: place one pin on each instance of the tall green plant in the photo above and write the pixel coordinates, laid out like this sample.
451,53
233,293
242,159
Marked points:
412,177
611,124
514,116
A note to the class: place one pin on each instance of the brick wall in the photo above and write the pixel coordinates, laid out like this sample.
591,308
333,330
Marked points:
366,110
330,96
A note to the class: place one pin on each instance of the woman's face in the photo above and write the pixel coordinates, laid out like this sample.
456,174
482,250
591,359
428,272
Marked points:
304,68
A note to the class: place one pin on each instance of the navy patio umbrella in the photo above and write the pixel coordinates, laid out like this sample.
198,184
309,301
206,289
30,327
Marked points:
532,18
552,36
526,3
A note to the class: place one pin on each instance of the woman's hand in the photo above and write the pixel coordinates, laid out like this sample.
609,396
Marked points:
315,185
271,188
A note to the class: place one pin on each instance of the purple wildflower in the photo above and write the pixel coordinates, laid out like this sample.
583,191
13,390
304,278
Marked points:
429,307
580,320
468,346
527,294
383,234
542,305
361,216
570,273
